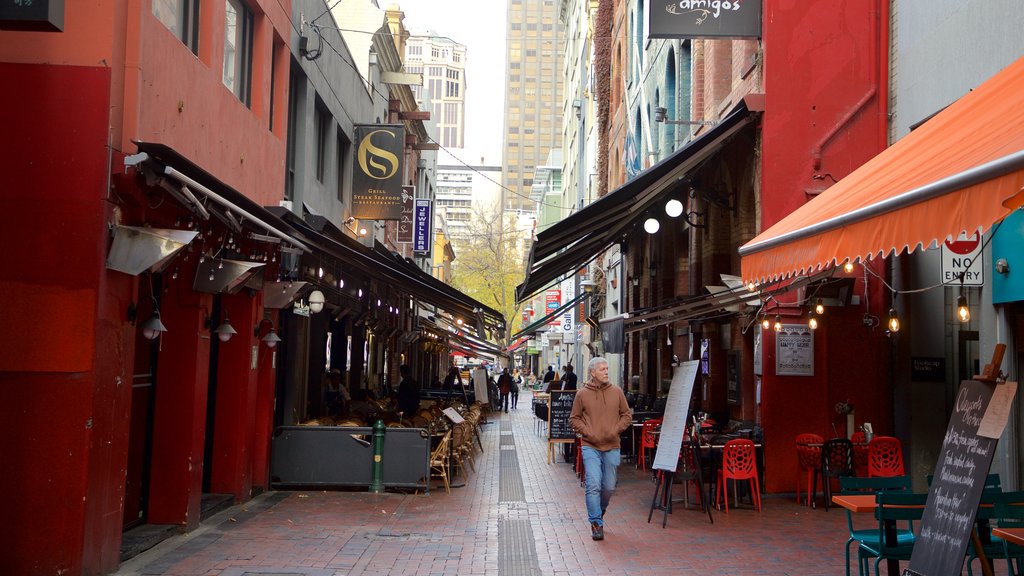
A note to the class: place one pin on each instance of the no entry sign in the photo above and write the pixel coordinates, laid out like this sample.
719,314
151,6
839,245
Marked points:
963,256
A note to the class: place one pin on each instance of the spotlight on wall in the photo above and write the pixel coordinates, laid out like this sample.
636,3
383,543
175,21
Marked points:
270,338
225,331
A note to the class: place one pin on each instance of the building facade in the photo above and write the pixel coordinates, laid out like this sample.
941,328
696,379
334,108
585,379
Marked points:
442,61
533,95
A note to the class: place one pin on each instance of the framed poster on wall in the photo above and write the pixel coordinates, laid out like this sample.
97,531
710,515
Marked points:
732,377
794,350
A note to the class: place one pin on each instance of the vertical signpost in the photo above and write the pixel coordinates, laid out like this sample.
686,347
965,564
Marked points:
422,241
405,226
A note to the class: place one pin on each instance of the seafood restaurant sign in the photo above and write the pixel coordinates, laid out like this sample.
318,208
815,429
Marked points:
705,19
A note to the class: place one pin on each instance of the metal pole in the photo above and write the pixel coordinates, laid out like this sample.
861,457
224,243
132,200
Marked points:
377,480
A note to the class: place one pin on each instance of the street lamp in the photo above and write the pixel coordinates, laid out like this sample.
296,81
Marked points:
660,115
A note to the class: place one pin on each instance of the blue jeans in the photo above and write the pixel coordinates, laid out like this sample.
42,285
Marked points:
602,469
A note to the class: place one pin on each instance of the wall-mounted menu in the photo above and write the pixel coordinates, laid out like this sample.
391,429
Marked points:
957,485
559,408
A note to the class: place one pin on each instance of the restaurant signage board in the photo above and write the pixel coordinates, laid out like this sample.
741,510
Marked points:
568,292
959,479
677,412
404,233
377,175
559,408
480,386
552,302
32,15
794,350
705,19
422,228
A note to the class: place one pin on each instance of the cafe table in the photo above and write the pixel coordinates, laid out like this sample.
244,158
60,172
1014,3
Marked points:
862,503
1011,535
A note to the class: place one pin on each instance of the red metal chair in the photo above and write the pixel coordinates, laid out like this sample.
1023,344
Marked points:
808,463
739,462
885,457
860,453
648,439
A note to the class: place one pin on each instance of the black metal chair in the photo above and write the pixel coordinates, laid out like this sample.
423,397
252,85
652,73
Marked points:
836,461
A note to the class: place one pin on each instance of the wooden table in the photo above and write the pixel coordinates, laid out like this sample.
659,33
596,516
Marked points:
861,503
1011,535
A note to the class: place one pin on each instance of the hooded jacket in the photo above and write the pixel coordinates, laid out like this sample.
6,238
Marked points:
599,414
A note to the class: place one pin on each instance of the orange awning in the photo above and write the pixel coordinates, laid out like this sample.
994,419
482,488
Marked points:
960,171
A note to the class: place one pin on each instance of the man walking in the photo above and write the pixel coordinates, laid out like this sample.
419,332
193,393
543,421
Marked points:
408,393
569,378
505,387
599,414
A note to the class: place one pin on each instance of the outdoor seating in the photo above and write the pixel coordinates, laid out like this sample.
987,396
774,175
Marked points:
860,453
891,507
439,460
739,462
808,463
690,471
885,456
836,461
648,440
861,485
1009,513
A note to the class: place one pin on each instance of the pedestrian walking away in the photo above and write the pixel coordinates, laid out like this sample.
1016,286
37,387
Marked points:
505,387
599,415
408,393
569,378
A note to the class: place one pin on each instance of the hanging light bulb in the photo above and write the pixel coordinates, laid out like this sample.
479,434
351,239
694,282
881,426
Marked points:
963,312
751,286
271,339
819,307
673,208
341,282
894,321
651,225
153,327
320,272
211,275
812,321
174,275
848,267
778,323
765,323
225,331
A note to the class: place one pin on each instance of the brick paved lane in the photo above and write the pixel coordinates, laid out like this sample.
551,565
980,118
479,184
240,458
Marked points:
517,514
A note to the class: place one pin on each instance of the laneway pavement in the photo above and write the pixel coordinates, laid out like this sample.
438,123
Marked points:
517,514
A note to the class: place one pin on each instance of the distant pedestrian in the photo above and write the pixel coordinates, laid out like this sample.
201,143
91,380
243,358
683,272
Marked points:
505,387
569,378
599,414
408,393
549,375
517,382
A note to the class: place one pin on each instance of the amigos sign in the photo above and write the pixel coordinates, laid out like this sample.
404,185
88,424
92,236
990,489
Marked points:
705,19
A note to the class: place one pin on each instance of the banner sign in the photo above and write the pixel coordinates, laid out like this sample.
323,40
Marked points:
377,176
705,19
612,335
405,222
423,225
569,292
552,302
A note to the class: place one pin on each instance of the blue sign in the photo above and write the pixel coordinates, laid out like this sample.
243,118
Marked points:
423,224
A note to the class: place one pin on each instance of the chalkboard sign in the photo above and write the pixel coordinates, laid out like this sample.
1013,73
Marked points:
559,408
677,409
956,488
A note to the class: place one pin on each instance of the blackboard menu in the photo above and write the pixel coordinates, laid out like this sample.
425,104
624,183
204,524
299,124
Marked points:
559,408
956,488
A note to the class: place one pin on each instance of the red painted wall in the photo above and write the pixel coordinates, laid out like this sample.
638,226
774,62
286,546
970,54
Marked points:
72,102
825,70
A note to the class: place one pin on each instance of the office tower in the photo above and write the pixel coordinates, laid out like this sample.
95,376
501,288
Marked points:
442,61
533,101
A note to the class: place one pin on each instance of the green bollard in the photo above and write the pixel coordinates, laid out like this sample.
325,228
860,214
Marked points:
377,481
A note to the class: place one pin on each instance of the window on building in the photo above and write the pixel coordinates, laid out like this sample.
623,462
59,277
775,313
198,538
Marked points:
320,122
181,17
435,53
457,57
516,26
344,147
237,75
296,84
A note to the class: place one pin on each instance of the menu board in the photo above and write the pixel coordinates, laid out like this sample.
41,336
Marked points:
677,411
480,385
794,350
956,488
559,408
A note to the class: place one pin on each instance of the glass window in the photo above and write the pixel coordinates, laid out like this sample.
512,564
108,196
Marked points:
320,119
238,49
181,17
343,154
